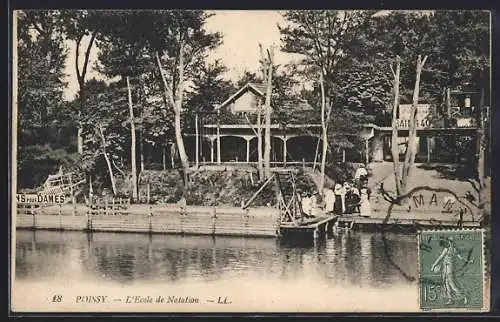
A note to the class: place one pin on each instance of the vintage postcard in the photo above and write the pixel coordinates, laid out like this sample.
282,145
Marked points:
250,161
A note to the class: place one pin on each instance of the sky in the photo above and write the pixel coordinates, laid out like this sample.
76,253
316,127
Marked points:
242,32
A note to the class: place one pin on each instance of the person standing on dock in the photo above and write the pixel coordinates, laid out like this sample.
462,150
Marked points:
329,198
365,208
314,203
360,176
339,207
306,205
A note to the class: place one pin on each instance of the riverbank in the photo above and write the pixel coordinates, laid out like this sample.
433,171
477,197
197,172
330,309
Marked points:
225,221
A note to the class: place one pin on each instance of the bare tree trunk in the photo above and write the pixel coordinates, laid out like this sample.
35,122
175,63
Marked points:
133,149
177,107
267,147
79,140
80,75
108,161
141,149
259,143
411,149
394,139
164,158
180,145
324,128
481,146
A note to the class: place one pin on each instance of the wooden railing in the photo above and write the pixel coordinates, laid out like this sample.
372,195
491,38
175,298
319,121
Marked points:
113,206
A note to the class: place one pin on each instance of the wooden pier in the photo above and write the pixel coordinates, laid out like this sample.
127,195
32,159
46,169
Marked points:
310,229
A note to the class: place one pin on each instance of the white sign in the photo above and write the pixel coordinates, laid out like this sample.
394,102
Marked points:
403,120
38,198
465,122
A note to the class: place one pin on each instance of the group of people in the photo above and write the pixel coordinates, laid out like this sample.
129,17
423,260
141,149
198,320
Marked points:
341,198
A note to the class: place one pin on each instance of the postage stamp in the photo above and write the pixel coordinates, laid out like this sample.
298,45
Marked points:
451,269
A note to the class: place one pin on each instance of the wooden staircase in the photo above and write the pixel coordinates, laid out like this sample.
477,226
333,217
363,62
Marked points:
67,184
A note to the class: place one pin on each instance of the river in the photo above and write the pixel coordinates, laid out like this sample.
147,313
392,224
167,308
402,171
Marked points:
350,271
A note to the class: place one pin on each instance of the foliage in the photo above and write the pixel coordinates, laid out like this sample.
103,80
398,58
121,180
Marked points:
41,56
328,42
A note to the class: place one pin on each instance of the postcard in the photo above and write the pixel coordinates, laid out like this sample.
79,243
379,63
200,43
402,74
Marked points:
255,161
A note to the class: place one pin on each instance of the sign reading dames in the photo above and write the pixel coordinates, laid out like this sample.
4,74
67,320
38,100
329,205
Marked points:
38,198
423,121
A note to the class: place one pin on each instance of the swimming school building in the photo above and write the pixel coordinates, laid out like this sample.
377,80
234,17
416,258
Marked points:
229,133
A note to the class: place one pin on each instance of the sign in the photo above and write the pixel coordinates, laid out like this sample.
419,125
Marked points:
422,116
39,198
465,122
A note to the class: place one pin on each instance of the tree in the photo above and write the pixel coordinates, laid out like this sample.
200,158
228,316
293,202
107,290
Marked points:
81,26
267,64
102,127
180,45
325,38
124,55
402,175
209,88
40,64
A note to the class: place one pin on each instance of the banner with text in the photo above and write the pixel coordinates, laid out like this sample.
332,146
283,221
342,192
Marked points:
423,110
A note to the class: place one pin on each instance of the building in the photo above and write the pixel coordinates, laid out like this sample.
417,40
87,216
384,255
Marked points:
231,133
460,121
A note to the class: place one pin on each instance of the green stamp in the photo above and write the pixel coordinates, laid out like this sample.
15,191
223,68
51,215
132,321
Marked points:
451,269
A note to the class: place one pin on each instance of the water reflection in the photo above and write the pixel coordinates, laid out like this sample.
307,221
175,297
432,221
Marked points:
353,258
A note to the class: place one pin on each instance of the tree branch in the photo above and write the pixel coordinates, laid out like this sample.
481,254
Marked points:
117,168
77,57
87,56
167,91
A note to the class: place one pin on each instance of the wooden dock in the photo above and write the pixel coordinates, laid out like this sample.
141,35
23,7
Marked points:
355,222
310,229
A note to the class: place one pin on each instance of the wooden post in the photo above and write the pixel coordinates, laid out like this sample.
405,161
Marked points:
212,151
73,201
60,216
448,102
150,215
284,151
148,193
172,153
343,155
164,159
218,139
214,219
248,150
428,149
367,152
197,145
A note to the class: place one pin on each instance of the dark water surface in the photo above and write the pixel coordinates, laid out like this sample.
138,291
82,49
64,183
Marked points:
352,258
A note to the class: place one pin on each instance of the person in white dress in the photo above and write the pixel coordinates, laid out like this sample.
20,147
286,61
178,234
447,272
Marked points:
314,203
306,205
339,206
360,176
364,207
329,197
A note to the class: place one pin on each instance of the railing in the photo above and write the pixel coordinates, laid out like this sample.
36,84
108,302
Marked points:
105,206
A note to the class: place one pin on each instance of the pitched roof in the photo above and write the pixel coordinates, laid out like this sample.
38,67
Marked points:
257,89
